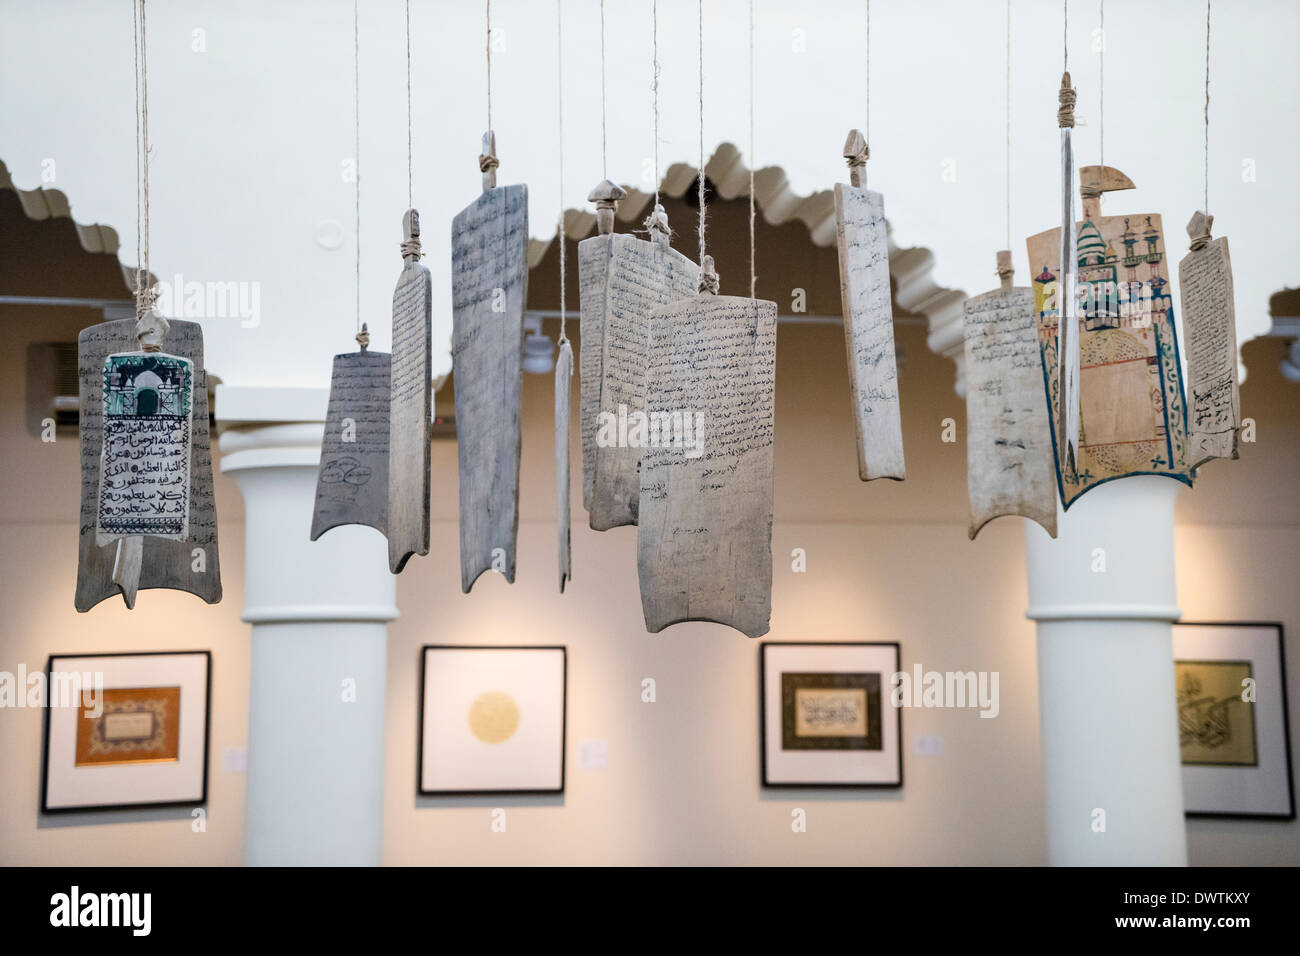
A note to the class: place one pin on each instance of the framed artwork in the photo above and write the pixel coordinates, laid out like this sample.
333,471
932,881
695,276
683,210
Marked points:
126,730
492,719
1233,728
827,720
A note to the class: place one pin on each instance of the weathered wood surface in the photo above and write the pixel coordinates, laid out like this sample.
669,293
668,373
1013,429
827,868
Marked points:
352,484
1132,418
704,539
593,275
164,563
563,385
862,241
1210,325
1068,346
1008,438
489,272
641,276
411,410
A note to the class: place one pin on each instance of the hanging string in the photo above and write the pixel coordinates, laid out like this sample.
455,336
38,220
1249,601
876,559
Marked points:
700,6
356,145
410,175
1007,162
1101,86
604,162
1205,172
1065,36
654,88
866,123
489,63
753,277
559,101
136,7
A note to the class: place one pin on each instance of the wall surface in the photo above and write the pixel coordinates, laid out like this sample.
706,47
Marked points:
886,562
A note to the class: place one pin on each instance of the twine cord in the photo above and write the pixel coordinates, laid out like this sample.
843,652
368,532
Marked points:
866,123
1007,161
753,276
559,100
489,63
1101,86
356,146
410,175
1205,171
604,160
654,89
700,196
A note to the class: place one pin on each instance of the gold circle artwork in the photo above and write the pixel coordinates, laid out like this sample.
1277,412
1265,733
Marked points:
493,717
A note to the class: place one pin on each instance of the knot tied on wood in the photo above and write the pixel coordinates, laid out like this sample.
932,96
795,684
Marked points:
606,196
709,282
1065,113
856,154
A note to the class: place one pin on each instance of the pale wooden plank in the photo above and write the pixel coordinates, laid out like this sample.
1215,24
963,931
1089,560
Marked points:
352,484
1008,439
164,563
563,384
489,272
1132,418
643,275
411,408
704,538
861,238
1210,327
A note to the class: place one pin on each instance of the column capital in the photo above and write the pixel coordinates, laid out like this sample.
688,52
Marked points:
1113,556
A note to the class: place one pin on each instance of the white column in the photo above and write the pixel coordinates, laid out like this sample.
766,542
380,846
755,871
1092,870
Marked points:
1106,677
319,612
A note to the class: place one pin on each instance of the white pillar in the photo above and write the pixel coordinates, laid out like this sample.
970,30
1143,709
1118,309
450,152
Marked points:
1106,677
319,612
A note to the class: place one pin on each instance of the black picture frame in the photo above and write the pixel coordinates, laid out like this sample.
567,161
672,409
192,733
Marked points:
1286,725
762,717
144,805
564,720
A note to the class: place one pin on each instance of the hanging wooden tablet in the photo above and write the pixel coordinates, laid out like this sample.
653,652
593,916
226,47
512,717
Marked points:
862,239
640,276
148,515
704,539
1008,439
563,384
489,275
1132,420
1210,324
352,483
594,254
411,411
1068,354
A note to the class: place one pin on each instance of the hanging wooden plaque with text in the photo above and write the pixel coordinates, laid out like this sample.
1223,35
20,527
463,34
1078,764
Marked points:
563,384
1008,440
148,515
352,484
639,276
489,277
1132,420
862,239
1210,324
704,538
411,409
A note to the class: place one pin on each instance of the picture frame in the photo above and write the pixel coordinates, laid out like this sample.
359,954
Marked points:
493,719
1235,753
825,715
126,730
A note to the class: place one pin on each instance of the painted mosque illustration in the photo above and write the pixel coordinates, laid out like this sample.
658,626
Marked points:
143,385
1113,293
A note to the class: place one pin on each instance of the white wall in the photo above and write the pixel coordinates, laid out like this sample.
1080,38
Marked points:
885,562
